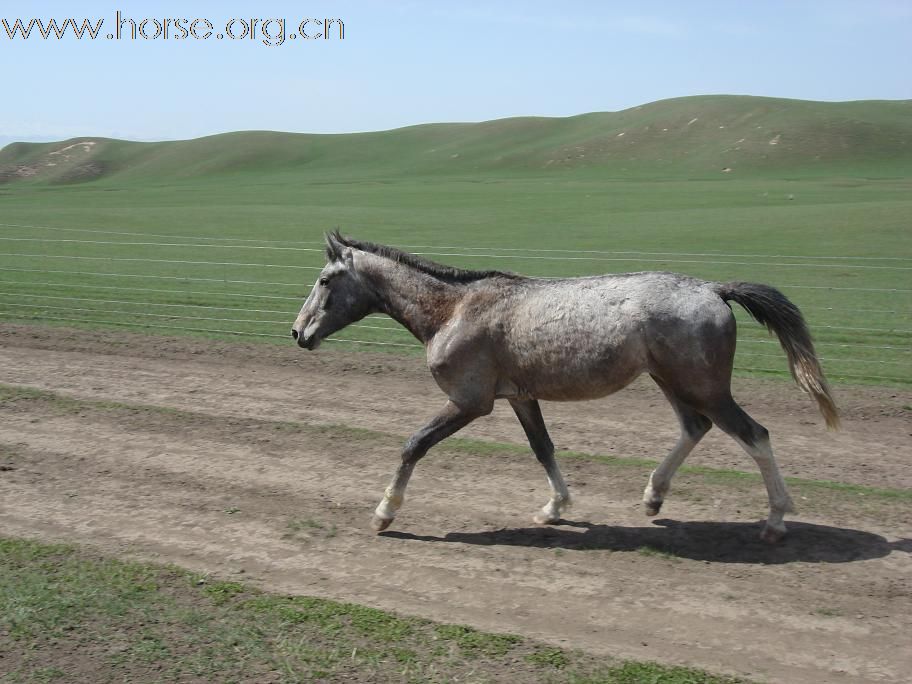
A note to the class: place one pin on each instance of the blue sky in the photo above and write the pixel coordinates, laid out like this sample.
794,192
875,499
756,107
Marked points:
407,62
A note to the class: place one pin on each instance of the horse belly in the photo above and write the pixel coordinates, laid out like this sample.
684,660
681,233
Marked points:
575,363
575,384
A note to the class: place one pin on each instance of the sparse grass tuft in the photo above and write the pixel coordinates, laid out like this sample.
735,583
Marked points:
307,528
553,657
304,524
652,552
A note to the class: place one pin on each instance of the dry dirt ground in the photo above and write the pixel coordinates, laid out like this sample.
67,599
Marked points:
237,459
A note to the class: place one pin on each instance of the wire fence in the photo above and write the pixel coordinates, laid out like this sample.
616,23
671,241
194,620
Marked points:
860,307
461,247
464,252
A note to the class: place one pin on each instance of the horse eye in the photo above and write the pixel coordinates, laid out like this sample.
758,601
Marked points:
324,281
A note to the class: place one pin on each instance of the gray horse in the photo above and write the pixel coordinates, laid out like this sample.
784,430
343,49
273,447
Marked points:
492,335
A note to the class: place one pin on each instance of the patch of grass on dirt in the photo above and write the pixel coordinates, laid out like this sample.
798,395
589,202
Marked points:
643,673
554,657
470,640
306,527
68,614
298,525
721,476
11,395
653,552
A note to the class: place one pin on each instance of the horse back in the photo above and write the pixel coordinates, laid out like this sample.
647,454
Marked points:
581,338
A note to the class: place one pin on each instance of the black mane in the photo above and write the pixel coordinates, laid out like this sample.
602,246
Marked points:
447,274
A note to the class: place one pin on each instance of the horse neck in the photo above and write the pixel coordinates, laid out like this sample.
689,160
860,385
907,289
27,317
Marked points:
418,301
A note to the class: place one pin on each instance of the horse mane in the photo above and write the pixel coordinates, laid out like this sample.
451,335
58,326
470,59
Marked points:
448,274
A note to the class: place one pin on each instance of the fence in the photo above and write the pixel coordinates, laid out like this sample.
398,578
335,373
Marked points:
858,307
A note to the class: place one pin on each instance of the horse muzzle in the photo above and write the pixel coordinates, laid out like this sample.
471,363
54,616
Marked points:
309,343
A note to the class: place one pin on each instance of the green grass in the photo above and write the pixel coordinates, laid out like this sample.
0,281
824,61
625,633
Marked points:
224,234
471,641
554,657
70,615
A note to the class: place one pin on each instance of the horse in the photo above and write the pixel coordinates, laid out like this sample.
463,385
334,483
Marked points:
496,335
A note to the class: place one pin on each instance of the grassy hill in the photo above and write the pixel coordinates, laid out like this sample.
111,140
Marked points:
692,137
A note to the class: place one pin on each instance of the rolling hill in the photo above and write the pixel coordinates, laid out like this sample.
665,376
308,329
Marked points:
692,137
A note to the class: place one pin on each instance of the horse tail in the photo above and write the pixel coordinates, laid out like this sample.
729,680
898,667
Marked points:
769,307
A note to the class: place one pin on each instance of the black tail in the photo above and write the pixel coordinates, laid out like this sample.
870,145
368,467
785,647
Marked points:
771,308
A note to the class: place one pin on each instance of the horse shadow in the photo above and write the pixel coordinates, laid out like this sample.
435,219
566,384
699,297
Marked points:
717,542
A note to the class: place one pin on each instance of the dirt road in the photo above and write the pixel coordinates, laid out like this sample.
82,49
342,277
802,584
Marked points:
255,467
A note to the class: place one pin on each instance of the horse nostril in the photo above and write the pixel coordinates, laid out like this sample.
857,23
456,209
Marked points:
294,334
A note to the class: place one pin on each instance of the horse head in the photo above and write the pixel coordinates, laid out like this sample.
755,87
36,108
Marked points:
338,298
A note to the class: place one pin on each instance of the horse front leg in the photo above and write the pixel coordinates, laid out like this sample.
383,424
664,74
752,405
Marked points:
448,421
530,416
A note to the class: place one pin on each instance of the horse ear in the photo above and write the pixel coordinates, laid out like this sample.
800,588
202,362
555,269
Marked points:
334,246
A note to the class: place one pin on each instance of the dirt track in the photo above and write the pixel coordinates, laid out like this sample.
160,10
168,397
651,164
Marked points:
227,485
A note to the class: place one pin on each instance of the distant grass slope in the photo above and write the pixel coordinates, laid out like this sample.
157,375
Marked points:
692,137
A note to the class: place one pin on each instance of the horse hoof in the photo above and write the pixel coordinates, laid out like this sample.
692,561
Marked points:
542,519
771,535
653,508
379,524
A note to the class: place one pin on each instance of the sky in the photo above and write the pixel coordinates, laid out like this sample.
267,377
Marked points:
404,62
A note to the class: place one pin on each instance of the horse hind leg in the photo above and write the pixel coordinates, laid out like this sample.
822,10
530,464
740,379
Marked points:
530,417
754,439
694,426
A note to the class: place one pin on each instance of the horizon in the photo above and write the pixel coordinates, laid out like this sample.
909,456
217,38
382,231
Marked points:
4,143
397,64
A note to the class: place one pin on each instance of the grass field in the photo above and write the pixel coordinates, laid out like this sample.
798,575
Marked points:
237,256
71,615
209,237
